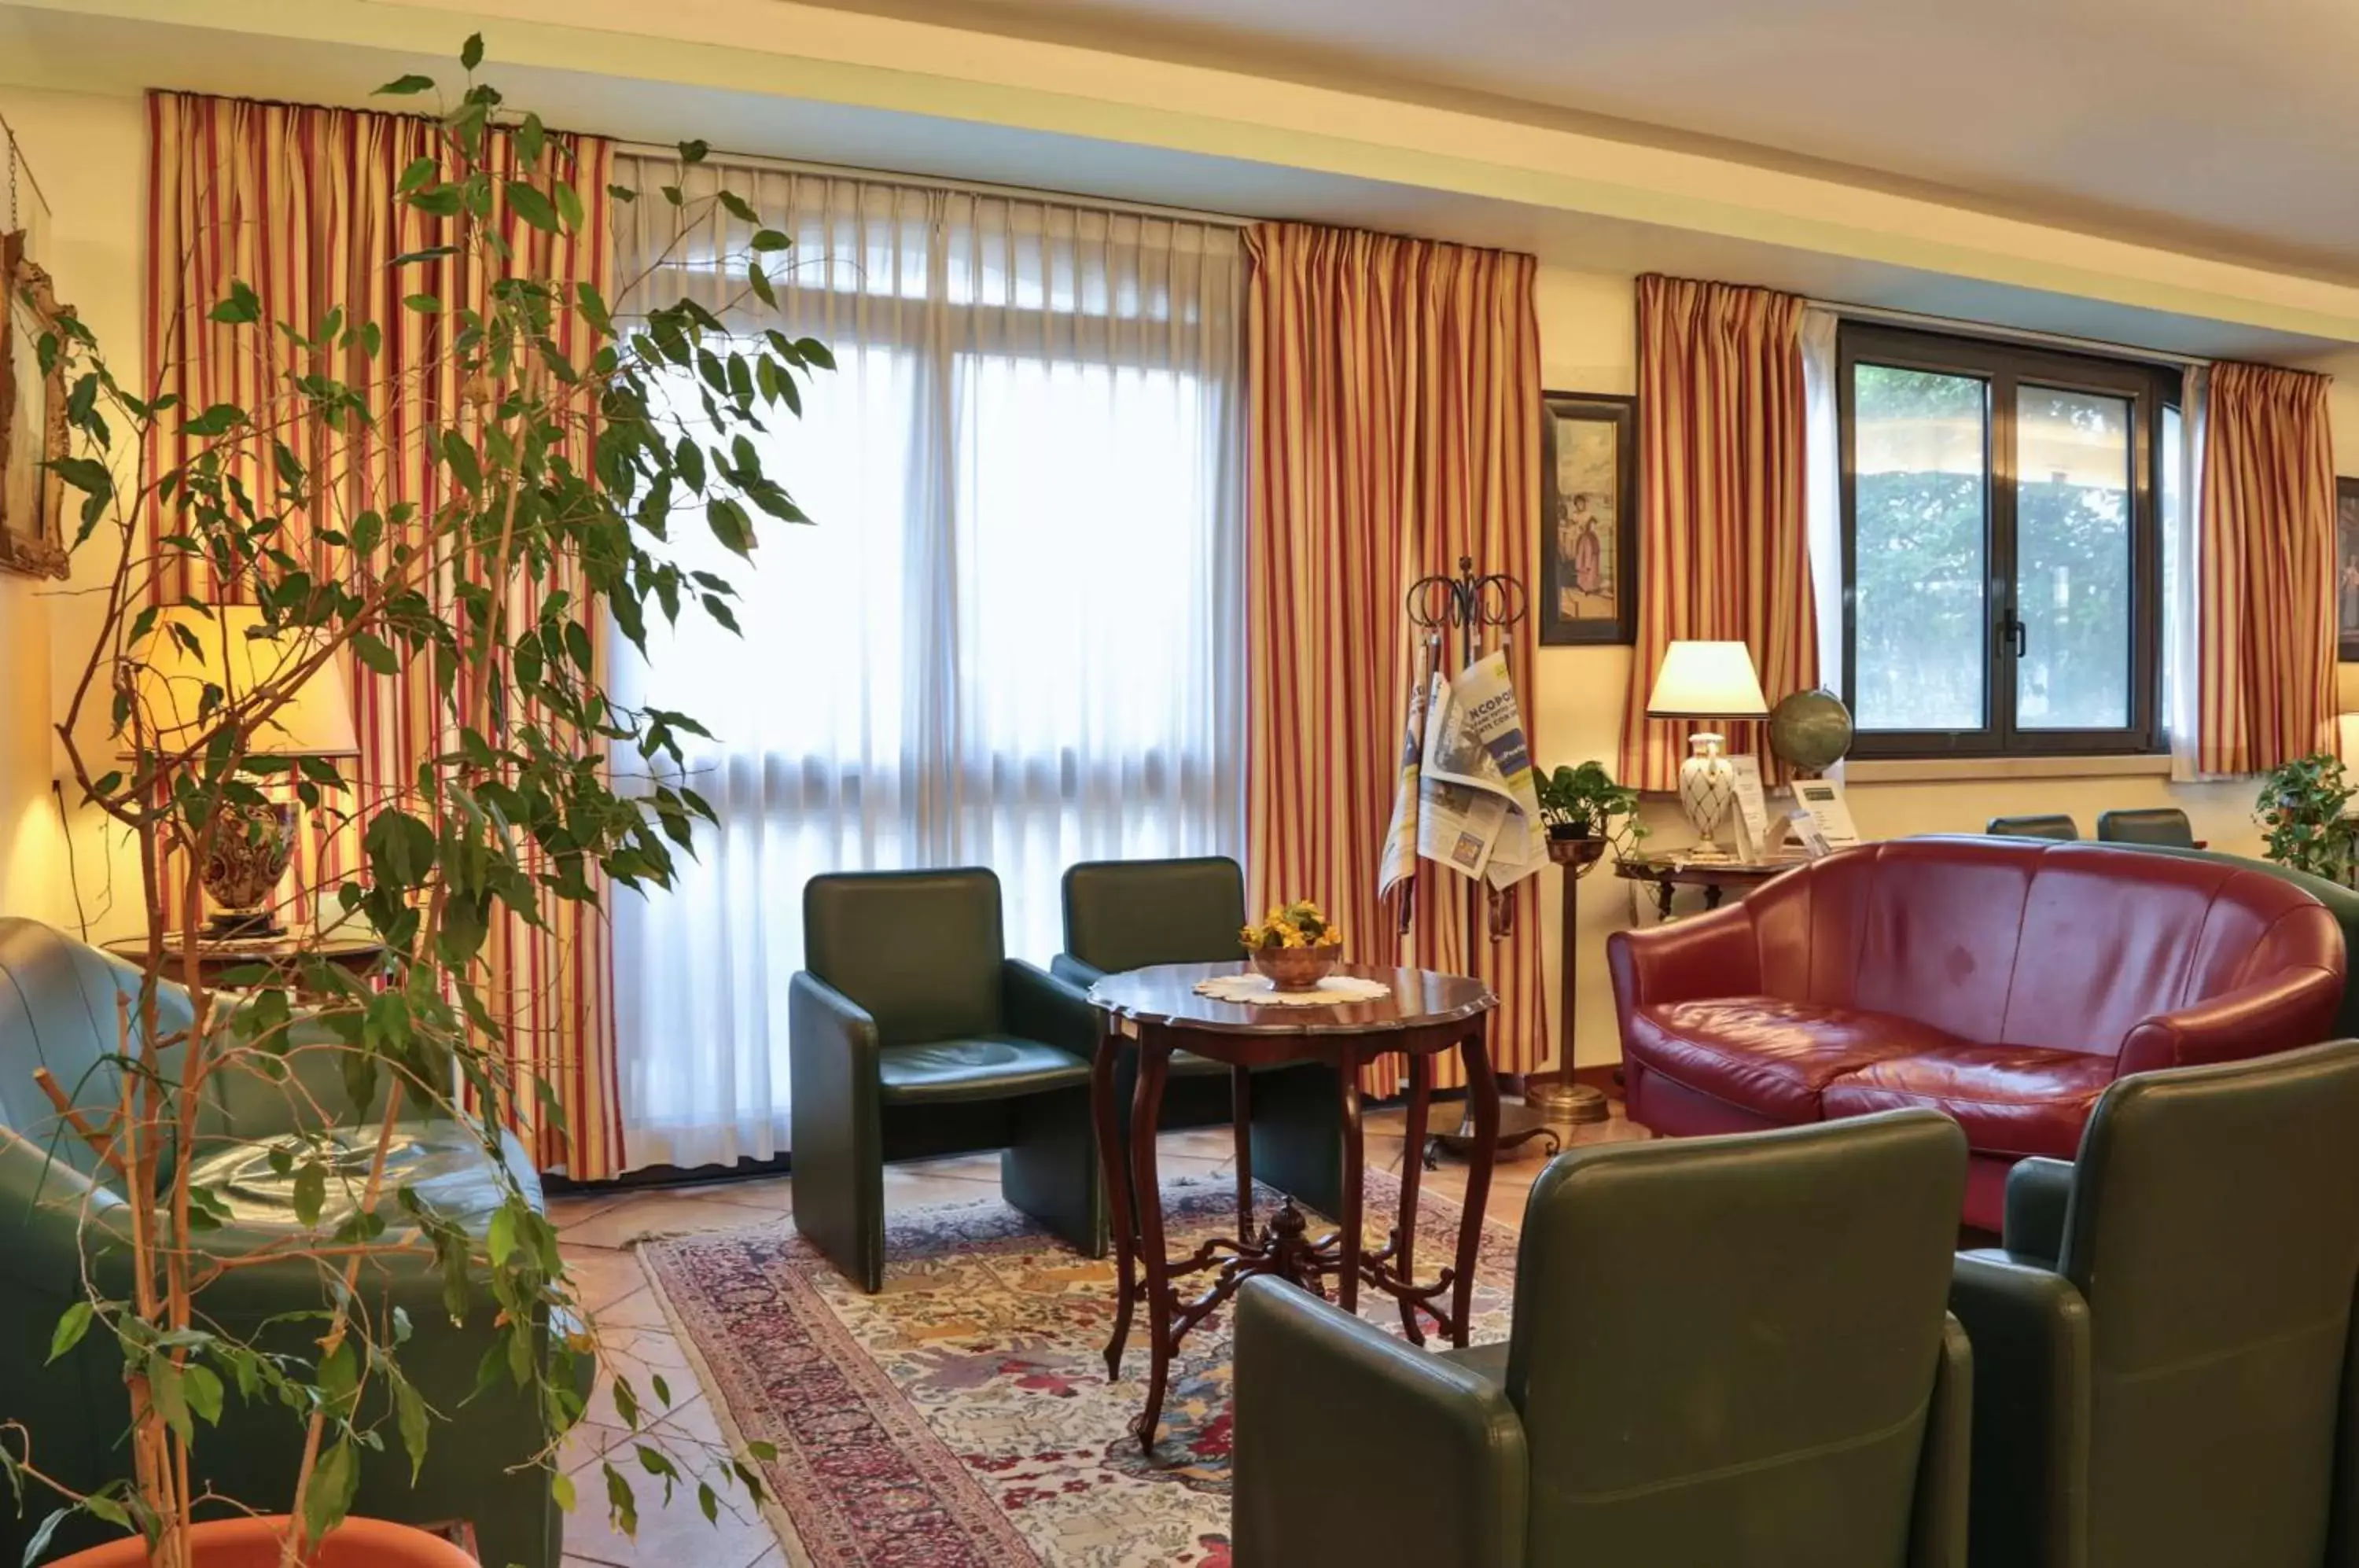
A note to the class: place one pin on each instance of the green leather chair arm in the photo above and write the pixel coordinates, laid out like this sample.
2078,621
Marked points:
1937,1526
1077,973
1445,1487
2031,1369
1037,1006
2039,1195
837,1127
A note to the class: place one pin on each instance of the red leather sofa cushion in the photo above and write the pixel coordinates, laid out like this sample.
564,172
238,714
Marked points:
2013,1100
1767,1054
2004,982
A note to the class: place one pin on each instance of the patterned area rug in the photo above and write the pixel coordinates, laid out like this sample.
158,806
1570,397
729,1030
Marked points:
962,1418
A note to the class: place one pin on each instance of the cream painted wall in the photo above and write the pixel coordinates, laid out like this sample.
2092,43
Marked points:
86,151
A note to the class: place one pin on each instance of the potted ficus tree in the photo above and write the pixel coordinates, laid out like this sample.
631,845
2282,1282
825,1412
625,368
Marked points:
554,480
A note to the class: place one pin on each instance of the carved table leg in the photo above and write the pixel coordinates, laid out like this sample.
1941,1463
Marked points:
1145,1116
1114,1166
1347,1283
1420,1094
1241,1133
1482,1103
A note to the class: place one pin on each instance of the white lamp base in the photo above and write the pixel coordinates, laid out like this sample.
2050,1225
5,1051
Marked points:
1707,786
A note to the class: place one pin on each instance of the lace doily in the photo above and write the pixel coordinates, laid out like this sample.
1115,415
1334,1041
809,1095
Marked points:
1257,990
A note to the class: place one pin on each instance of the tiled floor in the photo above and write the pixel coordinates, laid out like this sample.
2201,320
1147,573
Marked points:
597,1231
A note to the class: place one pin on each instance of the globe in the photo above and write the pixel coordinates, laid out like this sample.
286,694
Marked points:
1810,730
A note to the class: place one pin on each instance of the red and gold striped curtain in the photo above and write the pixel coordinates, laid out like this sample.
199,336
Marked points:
300,203
2264,590
1396,426
1724,550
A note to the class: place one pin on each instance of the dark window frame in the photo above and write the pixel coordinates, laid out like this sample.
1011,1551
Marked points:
2002,366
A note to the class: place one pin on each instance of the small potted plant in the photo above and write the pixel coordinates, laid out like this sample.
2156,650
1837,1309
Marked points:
1583,803
1295,945
2302,809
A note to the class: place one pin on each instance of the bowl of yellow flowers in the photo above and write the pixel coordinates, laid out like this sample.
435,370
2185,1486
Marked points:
1295,945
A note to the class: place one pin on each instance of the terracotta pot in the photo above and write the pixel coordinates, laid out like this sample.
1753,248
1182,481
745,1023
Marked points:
254,1543
1296,969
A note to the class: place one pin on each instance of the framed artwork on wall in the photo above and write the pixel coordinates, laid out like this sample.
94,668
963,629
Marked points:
32,420
1589,519
2346,569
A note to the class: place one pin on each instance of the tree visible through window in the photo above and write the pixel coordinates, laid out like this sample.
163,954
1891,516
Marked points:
2001,547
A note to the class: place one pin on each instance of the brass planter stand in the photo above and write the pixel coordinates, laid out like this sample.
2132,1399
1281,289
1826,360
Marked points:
1559,1097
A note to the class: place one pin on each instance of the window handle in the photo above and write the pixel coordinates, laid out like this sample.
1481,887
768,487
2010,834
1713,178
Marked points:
2018,635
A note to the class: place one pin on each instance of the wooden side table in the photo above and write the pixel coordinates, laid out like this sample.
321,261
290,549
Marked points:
1667,874
219,956
1156,1011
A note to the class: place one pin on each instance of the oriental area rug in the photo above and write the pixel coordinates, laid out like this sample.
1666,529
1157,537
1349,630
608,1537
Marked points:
962,1418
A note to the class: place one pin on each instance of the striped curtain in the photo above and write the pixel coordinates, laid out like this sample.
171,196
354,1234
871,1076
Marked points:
300,204
2265,596
1723,548
1396,426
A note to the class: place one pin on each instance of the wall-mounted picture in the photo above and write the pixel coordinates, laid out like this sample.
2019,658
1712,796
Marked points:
2346,568
1589,519
32,420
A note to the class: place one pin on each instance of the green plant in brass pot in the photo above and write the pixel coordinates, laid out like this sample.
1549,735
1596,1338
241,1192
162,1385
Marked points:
1585,803
2301,811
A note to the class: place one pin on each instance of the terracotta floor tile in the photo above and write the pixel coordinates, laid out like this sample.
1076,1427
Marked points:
671,1535
663,1212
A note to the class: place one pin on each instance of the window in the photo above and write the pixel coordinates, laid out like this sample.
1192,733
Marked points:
2002,549
1011,636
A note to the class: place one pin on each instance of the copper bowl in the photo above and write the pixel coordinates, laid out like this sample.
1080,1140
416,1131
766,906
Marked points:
1295,968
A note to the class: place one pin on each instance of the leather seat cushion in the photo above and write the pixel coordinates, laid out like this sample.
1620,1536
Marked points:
2011,1099
1769,1054
439,1159
988,1067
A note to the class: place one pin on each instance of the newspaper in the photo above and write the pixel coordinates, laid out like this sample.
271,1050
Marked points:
1477,809
1399,863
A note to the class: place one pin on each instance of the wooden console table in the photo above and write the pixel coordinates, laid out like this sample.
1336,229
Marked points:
1667,874
1156,1011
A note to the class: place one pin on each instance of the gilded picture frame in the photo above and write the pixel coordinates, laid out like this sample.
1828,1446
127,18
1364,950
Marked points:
2346,570
33,430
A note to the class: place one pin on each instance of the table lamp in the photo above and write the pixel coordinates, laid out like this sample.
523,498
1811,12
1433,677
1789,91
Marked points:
233,651
1707,680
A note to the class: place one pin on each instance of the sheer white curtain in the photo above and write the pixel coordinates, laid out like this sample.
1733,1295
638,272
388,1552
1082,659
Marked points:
1012,635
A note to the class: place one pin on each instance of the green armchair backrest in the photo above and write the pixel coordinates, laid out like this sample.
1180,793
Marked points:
2146,824
1725,1350
1128,914
58,1011
920,950
2214,1230
2057,826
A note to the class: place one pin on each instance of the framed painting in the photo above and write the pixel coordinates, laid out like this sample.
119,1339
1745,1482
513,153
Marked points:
1589,519
2346,569
32,421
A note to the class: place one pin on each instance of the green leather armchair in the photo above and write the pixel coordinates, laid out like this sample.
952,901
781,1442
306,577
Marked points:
1725,1351
2055,826
62,1213
1130,914
2165,826
2164,1374
910,1031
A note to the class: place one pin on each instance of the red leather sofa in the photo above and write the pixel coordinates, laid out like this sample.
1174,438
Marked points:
2004,982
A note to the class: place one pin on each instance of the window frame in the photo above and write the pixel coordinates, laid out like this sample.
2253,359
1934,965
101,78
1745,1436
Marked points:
2003,366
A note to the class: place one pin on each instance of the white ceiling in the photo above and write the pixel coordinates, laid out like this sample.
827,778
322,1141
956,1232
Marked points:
2225,126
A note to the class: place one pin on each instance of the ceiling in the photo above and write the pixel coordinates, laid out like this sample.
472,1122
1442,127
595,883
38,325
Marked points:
2226,128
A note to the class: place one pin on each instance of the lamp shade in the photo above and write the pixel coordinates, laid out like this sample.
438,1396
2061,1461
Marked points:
1707,680
234,653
